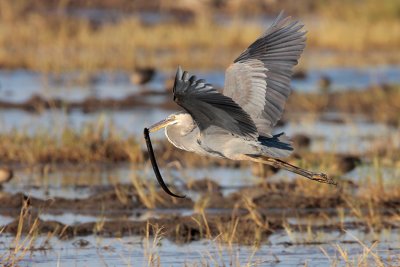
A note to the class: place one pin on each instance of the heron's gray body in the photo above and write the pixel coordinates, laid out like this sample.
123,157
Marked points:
217,142
240,120
222,144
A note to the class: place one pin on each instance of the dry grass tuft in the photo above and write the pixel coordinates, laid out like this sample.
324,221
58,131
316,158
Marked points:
89,145
51,42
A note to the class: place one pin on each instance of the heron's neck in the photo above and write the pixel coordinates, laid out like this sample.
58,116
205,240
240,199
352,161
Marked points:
183,126
183,132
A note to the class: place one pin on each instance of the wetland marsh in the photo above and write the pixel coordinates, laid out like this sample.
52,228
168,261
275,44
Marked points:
83,192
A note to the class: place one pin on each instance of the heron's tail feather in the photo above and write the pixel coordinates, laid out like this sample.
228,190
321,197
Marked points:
277,146
277,163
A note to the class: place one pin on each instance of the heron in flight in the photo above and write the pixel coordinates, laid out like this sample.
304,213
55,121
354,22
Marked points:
238,122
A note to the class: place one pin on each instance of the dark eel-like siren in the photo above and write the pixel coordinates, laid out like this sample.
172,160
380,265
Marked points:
155,166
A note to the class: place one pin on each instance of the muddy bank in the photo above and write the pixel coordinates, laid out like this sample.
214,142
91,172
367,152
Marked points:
121,201
244,229
37,103
178,229
248,214
378,103
269,199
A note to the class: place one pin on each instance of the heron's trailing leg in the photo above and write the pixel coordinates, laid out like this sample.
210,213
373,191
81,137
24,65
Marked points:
277,163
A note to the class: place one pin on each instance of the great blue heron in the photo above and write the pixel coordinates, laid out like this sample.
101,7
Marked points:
237,123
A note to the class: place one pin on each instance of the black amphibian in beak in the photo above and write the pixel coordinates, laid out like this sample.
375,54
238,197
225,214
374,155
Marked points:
150,150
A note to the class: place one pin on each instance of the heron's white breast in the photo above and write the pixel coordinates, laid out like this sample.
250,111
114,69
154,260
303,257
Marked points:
184,139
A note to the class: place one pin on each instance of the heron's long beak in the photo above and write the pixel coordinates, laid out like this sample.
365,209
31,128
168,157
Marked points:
161,124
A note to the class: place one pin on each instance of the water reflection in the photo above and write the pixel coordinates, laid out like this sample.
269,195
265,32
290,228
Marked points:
20,85
351,137
79,184
127,122
279,251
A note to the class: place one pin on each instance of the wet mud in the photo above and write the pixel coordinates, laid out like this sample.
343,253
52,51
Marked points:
37,103
258,210
179,229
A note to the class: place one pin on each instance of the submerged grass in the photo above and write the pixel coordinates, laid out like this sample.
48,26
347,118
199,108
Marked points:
22,245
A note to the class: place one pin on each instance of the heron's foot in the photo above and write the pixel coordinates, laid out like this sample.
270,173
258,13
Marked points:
323,178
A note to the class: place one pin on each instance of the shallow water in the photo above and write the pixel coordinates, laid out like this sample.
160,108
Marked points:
54,121
356,135
280,251
79,184
20,85
137,215
349,78
375,174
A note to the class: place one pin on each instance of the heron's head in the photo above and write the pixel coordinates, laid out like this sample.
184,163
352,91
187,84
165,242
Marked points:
171,119
179,119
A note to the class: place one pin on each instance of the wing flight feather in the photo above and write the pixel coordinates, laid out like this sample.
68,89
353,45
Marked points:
208,107
259,79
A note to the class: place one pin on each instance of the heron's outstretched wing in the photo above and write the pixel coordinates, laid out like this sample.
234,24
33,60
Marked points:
208,107
259,79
